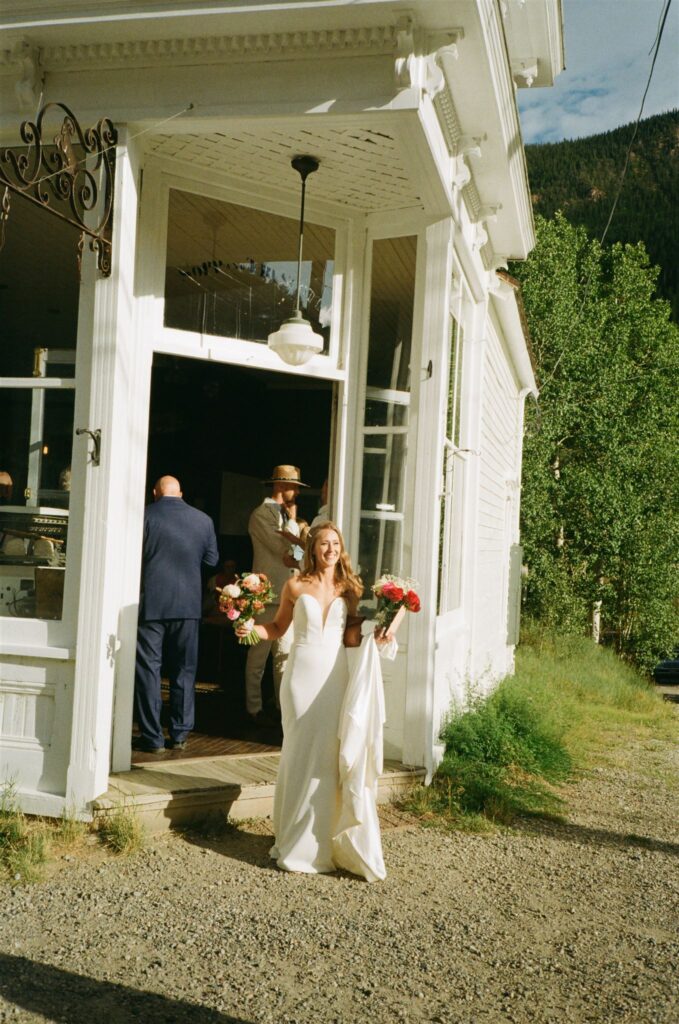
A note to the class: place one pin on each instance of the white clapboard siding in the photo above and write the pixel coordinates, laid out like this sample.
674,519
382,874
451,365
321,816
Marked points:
499,424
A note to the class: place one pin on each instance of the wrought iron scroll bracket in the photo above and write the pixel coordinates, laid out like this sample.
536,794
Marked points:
71,174
95,436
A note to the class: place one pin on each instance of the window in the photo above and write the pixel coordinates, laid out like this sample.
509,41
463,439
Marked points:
452,484
39,289
385,421
232,271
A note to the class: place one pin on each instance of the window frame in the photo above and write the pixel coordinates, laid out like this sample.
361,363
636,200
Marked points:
33,627
159,182
367,392
453,475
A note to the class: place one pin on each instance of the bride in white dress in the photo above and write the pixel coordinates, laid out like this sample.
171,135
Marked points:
308,801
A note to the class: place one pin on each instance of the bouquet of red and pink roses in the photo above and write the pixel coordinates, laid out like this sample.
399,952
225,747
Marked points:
247,596
394,593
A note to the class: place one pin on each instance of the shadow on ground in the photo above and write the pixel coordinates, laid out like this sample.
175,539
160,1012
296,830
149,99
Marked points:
572,833
235,842
67,998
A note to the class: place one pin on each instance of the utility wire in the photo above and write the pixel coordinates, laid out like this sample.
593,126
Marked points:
107,149
654,48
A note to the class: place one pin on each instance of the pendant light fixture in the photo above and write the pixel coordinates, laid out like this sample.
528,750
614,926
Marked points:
295,340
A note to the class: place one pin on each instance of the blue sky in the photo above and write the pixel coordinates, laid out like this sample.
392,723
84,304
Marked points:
607,45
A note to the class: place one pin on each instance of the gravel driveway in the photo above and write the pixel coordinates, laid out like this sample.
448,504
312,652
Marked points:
551,923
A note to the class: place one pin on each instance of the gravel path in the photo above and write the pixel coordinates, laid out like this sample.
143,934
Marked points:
551,923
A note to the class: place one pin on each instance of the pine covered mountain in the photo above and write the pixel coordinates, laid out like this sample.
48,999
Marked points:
580,177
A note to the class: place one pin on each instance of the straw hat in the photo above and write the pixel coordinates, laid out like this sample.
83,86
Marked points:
285,475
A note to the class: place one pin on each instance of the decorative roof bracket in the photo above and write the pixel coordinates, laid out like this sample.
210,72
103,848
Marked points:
72,176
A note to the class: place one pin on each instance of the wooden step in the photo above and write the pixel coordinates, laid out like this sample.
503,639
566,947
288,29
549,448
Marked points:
174,794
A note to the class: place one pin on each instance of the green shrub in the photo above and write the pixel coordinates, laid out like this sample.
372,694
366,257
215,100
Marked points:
505,755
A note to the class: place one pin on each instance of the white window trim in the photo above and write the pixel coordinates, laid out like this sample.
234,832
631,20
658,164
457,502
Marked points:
451,553
193,344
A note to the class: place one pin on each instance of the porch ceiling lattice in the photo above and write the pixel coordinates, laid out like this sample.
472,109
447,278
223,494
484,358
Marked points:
361,167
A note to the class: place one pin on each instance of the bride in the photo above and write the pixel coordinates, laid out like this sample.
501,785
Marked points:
321,601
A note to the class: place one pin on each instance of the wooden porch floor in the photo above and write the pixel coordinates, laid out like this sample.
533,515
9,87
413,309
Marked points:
259,741
174,793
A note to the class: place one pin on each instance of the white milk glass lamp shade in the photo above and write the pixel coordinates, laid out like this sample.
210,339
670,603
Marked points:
295,341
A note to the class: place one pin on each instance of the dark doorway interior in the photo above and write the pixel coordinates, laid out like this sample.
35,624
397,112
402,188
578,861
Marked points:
221,429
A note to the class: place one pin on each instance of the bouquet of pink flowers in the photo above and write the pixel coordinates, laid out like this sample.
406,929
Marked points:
247,596
394,593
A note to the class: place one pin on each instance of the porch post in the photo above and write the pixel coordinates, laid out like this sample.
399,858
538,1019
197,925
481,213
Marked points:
106,342
148,320
430,345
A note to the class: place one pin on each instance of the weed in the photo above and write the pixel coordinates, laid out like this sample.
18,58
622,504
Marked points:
122,831
68,830
23,845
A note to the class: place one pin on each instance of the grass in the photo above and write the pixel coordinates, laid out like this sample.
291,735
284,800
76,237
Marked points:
68,831
122,831
24,844
568,706
28,843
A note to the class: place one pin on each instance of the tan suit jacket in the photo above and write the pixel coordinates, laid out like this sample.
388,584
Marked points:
268,546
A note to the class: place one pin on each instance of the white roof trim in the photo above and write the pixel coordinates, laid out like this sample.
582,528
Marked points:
505,301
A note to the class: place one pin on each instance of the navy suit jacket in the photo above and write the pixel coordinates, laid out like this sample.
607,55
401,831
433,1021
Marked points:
178,541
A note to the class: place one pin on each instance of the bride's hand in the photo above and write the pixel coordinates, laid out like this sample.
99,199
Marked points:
383,636
244,629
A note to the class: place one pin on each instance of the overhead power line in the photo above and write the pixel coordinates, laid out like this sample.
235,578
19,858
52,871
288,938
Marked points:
654,49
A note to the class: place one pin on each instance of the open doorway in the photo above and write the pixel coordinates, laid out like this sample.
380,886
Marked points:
220,430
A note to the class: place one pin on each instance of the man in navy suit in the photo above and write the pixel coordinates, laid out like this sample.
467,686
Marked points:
178,540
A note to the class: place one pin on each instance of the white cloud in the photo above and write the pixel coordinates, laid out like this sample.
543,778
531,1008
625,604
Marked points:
607,45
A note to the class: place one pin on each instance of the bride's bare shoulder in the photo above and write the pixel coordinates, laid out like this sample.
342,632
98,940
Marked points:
293,588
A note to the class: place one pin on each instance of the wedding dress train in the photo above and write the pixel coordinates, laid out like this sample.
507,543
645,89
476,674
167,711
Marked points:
324,808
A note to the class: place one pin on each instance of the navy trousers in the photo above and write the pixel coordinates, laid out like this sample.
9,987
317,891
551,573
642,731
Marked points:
174,643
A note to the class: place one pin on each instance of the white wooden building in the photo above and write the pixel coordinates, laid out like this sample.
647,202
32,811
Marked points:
420,198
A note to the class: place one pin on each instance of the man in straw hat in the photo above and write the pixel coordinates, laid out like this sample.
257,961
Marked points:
271,527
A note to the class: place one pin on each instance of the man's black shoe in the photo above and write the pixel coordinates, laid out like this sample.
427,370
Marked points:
258,720
146,748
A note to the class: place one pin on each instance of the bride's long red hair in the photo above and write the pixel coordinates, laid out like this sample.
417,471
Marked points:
345,577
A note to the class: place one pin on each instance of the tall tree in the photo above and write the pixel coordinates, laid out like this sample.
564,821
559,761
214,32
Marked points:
580,177
601,468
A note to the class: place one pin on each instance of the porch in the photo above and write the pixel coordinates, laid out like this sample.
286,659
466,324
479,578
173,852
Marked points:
174,793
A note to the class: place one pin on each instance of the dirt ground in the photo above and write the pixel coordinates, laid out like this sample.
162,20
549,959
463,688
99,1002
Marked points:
548,922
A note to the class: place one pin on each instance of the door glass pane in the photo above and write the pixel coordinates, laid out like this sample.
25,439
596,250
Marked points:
379,550
382,414
391,313
383,474
385,452
232,270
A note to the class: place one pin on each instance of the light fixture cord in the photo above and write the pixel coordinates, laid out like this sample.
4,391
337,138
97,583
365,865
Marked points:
301,242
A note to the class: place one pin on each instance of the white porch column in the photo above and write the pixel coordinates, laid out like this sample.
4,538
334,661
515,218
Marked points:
148,319
431,341
347,468
106,345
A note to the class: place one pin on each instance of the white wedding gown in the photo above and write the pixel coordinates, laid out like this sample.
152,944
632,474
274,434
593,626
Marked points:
320,823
